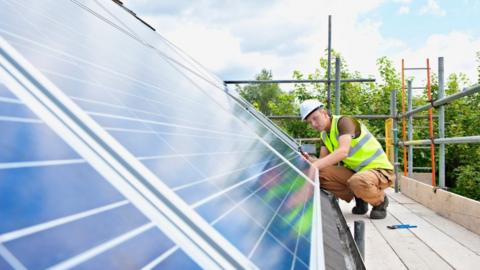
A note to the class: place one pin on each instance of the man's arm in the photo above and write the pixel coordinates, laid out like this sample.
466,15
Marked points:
336,156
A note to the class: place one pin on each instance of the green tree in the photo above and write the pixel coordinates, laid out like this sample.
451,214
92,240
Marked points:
262,96
478,66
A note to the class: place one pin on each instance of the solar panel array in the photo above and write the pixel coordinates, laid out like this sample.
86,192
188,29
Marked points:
115,145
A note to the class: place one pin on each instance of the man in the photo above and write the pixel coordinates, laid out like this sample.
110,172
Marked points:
366,170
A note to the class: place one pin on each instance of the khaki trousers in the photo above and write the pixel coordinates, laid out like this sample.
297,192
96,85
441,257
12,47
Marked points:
367,185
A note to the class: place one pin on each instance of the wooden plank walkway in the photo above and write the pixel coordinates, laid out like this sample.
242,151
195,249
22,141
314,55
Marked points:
437,243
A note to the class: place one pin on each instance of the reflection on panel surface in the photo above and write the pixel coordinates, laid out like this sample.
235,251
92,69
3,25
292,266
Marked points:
168,112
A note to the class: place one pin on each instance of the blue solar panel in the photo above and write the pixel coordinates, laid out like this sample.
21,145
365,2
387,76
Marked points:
54,205
169,113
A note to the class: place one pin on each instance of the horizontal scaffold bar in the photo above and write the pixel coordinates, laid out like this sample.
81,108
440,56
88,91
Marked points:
439,102
295,81
466,139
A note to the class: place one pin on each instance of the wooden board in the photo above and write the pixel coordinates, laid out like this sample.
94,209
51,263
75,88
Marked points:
449,249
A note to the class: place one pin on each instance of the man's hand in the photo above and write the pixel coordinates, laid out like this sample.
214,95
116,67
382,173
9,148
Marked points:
307,157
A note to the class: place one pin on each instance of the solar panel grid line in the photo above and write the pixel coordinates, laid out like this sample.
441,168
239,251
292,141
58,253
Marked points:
41,163
257,136
106,20
120,107
299,235
187,160
281,217
63,25
160,258
219,218
167,124
261,139
183,238
162,54
19,13
250,254
272,236
10,100
170,133
267,123
286,221
249,179
95,251
169,252
237,204
64,56
254,193
11,259
176,188
10,236
20,120
168,92
118,21
72,62
171,93
200,68
200,154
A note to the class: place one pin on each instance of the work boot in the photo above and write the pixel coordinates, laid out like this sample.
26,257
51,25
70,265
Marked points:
360,208
380,211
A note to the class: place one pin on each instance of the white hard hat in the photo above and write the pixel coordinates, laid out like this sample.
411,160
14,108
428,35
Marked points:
308,106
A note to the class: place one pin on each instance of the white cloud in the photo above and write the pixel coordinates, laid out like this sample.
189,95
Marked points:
403,10
457,48
432,7
287,35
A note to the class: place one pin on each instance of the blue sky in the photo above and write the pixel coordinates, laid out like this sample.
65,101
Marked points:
236,39
414,26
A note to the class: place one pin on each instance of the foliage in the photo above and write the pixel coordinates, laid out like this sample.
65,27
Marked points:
262,96
468,181
461,116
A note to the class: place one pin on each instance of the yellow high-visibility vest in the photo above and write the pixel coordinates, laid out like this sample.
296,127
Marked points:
365,151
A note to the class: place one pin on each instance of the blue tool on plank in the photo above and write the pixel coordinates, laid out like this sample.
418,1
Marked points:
401,226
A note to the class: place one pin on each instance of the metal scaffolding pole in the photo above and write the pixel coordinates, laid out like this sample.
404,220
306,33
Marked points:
337,85
439,102
329,94
393,110
357,116
441,123
295,81
466,139
410,128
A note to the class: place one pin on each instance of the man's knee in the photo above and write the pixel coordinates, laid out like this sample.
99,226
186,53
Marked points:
360,181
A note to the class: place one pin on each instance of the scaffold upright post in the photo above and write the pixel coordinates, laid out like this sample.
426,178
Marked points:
393,111
404,126
430,125
441,123
410,129
337,85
